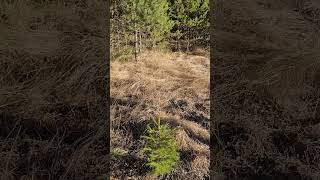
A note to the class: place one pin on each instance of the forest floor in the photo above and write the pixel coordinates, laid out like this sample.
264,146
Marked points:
174,86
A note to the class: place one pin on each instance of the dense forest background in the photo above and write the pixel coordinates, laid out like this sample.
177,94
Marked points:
177,25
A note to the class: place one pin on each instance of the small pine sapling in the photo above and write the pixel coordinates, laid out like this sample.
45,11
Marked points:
161,149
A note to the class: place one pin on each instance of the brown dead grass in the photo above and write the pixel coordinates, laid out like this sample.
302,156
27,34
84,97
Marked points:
201,164
265,92
52,100
156,81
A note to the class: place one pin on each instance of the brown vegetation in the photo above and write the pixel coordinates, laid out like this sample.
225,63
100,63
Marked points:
266,90
173,85
52,101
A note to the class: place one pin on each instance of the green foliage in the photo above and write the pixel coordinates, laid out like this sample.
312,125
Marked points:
141,24
118,152
150,17
161,149
189,14
125,54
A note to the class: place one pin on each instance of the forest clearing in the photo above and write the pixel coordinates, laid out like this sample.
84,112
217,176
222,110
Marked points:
159,71
265,92
174,86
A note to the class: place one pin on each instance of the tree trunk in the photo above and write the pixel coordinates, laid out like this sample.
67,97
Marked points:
140,43
136,45
188,40
177,46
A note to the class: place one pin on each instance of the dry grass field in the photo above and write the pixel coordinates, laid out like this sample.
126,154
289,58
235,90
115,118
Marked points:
266,90
52,94
174,86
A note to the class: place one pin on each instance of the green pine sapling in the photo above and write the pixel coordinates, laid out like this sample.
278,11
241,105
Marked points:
161,149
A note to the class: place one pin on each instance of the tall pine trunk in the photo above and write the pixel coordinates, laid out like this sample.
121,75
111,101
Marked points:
188,39
136,44
140,43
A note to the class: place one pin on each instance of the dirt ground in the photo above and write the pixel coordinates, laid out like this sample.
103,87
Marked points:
266,90
173,85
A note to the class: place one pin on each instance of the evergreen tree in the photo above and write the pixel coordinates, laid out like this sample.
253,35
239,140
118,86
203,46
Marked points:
159,20
191,14
161,148
189,17
149,17
137,24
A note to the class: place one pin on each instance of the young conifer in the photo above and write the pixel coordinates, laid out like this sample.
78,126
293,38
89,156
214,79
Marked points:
161,149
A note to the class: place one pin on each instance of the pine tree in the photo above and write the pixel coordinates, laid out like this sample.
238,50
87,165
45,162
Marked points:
150,18
189,17
161,149
192,14
137,24
159,20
